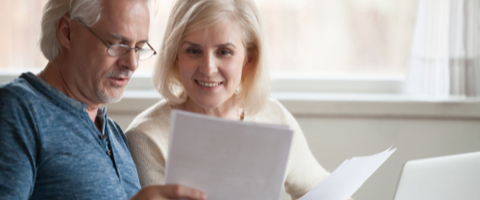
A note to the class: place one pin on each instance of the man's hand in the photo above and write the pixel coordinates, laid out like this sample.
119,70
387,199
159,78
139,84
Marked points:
161,192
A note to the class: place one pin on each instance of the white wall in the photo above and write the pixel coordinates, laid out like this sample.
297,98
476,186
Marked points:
333,139
338,129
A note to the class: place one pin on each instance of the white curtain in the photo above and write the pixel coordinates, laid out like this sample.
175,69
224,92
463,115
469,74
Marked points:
445,58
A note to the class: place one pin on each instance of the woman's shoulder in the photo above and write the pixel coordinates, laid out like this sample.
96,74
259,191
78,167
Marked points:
154,118
273,105
273,112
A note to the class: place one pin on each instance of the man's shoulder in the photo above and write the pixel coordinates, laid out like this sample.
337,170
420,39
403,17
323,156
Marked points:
18,90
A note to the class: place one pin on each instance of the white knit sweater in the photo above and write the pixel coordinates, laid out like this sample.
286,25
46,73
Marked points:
148,140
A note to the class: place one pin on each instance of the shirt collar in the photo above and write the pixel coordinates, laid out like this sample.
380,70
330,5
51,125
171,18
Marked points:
53,93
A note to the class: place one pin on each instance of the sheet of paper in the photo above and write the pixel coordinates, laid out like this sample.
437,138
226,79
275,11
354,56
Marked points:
348,177
227,159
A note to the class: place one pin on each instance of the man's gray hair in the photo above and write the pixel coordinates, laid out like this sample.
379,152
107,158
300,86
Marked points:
89,11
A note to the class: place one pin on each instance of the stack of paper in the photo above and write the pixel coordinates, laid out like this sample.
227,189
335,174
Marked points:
227,159
239,160
347,178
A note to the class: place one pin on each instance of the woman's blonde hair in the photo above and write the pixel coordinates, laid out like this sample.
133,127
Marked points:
189,16
89,11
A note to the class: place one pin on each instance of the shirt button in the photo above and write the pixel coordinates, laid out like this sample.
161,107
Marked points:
102,136
109,152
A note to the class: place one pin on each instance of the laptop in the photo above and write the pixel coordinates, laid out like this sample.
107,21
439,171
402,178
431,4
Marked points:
455,177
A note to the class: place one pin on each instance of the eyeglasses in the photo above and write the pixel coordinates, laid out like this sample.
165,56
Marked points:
117,50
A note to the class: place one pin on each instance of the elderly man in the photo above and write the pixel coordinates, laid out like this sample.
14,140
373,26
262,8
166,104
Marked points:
56,142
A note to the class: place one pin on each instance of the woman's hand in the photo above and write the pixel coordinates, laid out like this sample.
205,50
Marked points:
160,192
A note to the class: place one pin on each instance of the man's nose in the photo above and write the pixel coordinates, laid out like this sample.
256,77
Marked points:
130,60
209,65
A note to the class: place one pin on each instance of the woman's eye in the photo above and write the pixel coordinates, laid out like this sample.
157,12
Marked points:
193,51
225,52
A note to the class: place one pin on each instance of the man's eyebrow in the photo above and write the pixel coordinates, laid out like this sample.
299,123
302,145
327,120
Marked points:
123,38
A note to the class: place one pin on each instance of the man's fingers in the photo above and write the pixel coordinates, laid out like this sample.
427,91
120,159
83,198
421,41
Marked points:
179,191
164,192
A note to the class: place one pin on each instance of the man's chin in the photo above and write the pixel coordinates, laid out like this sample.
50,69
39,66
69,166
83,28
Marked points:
113,100
110,97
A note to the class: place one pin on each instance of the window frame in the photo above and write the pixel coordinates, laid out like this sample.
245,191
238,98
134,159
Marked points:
336,97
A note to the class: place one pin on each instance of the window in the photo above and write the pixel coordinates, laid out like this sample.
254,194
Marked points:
20,27
305,39
342,37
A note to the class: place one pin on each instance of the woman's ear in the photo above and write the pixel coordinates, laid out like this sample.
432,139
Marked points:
64,31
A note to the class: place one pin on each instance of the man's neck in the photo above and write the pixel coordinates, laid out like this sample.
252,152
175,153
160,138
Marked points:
52,74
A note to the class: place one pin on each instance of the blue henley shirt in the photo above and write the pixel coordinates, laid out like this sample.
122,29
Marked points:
51,149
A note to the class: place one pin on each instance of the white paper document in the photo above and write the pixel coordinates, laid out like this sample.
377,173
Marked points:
348,177
227,159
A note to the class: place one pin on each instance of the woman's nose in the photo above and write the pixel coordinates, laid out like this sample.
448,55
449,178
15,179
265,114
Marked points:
209,65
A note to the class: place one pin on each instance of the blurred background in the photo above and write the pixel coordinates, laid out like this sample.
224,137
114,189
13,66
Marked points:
303,37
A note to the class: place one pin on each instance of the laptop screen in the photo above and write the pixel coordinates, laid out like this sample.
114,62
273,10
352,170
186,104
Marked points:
441,178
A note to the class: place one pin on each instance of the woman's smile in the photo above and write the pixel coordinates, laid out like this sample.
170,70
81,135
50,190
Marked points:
208,84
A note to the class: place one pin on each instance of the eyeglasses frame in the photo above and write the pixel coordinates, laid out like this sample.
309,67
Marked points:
122,45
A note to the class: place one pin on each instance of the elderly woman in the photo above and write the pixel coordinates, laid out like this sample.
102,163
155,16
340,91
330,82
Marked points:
212,62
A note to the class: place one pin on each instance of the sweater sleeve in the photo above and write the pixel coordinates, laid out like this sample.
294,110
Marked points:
147,157
18,150
303,170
